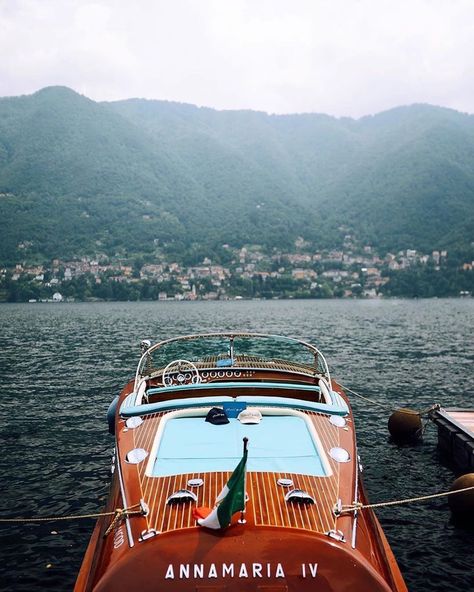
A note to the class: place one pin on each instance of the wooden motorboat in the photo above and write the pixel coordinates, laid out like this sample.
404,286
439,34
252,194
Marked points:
279,456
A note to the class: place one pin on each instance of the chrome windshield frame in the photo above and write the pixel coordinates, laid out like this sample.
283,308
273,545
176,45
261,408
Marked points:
317,354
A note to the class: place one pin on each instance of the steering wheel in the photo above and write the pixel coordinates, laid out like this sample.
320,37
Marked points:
187,375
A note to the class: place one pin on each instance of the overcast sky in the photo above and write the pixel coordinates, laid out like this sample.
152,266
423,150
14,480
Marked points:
341,57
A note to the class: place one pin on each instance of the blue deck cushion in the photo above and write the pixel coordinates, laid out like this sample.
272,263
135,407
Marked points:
337,408
234,385
336,399
261,401
130,410
190,445
129,400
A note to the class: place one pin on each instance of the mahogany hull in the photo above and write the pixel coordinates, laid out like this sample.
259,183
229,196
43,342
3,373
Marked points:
281,546
240,560
243,557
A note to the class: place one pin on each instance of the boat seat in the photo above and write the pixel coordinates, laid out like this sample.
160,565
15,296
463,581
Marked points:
254,400
129,408
330,397
235,385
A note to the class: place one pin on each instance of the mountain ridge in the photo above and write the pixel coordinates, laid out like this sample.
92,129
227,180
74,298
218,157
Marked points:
78,176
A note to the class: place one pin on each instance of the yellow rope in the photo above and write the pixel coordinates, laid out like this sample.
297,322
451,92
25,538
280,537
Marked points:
123,512
359,506
426,411
346,388
120,514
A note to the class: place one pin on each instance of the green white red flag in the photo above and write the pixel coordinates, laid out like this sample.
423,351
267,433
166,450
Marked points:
230,500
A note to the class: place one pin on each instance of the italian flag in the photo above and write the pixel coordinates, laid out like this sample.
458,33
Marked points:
230,500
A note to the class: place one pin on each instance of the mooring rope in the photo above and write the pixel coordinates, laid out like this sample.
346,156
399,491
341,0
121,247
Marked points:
54,518
358,506
119,514
426,411
346,388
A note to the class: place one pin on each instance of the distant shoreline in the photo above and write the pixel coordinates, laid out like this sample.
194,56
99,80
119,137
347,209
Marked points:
172,300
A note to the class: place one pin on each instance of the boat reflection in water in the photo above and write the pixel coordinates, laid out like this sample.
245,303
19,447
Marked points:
234,456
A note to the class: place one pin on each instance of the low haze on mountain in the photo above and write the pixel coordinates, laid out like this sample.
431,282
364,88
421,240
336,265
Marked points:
77,177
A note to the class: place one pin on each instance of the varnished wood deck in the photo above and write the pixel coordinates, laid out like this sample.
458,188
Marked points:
266,505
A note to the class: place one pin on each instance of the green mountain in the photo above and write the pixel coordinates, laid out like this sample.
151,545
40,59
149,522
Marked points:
78,177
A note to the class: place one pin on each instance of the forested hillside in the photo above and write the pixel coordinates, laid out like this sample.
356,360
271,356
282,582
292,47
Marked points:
79,177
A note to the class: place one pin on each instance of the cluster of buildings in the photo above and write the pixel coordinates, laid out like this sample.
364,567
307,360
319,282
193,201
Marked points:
352,271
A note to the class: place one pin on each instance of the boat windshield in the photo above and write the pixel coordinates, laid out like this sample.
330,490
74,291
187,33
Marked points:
213,350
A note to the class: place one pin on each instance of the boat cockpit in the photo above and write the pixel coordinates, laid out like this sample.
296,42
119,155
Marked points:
243,368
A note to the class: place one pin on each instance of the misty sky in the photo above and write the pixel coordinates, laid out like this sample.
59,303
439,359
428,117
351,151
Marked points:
341,57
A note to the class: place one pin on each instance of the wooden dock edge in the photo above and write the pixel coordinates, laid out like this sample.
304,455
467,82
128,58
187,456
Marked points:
455,441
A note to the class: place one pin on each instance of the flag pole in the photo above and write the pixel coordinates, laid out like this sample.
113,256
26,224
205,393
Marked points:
242,513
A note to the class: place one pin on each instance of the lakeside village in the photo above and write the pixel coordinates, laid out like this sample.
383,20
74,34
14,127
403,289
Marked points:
250,273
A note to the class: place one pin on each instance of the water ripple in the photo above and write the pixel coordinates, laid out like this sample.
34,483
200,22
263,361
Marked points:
60,366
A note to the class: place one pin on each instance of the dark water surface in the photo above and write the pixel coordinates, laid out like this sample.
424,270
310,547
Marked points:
61,364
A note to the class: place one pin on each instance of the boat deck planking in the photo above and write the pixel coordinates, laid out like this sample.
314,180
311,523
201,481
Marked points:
266,505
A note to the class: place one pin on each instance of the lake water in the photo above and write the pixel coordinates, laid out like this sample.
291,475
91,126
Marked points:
61,364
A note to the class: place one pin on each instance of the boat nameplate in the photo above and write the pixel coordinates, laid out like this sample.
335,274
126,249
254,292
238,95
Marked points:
119,537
